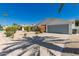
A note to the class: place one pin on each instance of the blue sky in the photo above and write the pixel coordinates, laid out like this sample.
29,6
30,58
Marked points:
32,13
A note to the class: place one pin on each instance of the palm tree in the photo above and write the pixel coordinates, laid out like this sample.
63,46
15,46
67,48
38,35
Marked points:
62,5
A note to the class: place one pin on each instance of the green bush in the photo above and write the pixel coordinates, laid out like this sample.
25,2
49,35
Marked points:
34,28
27,28
31,28
10,31
13,29
17,27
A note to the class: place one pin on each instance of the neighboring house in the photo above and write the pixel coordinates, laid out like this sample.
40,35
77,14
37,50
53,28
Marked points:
60,26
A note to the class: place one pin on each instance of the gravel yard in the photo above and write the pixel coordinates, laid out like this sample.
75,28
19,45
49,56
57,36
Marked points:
58,41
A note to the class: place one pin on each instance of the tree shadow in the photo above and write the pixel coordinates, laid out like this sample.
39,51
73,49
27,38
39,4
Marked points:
38,41
72,42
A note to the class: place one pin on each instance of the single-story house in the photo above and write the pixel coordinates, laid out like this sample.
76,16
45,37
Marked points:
60,26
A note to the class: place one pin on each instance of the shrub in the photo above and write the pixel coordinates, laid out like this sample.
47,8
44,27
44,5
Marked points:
41,28
10,31
25,34
13,29
27,28
1,28
36,28
17,27
32,28
37,32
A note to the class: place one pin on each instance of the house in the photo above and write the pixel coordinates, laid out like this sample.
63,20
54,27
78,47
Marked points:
60,26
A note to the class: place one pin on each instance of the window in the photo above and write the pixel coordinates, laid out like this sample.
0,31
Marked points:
74,31
76,22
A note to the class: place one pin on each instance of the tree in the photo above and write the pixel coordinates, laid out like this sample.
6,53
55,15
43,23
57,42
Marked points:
62,5
18,27
27,28
1,28
11,30
42,28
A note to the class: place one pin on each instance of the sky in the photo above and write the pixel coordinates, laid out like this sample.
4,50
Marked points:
33,13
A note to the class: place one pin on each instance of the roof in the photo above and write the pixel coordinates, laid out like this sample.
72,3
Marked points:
54,21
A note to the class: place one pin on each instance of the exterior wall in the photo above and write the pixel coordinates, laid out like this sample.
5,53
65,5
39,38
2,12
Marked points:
46,29
61,29
71,28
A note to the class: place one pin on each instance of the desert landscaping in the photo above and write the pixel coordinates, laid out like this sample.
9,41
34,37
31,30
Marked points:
56,43
38,29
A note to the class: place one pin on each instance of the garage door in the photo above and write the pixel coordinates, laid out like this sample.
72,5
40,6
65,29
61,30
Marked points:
62,29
